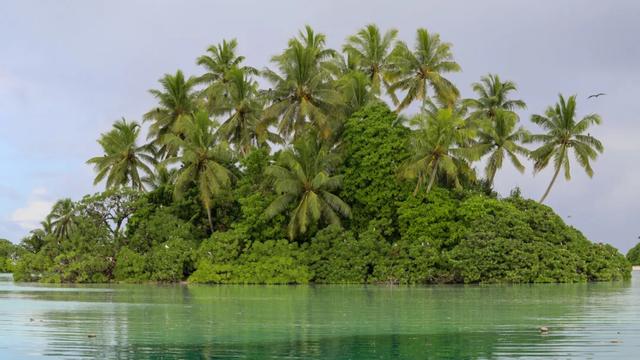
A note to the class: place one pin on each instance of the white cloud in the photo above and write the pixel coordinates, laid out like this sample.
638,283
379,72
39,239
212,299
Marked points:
36,209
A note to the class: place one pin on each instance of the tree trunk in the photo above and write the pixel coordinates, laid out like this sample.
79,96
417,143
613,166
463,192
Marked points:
433,176
209,217
551,184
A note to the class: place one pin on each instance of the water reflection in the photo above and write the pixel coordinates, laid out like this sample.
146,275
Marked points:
319,322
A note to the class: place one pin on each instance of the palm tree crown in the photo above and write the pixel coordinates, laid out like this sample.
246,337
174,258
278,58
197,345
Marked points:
564,133
303,92
177,101
123,158
372,50
244,127
63,218
439,145
499,138
493,96
303,176
415,71
205,162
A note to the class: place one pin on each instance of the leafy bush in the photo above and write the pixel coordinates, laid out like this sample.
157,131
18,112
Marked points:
634,255
335,256
130,266
271,262
171,261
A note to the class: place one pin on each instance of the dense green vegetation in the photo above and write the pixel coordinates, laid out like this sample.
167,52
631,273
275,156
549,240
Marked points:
634,255
316,179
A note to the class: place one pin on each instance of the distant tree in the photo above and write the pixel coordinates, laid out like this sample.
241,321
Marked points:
498,138
372,49
303,92
123,159
303,177
162,176
205,162
177,100
563,134
493,97
243,106
439,145
634,255
63,218
413,72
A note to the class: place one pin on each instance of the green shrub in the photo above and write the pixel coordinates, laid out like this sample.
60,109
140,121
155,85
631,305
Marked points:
634,255
334,256
171,261
130,266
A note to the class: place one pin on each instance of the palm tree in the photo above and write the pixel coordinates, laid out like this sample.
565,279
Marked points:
221,59
564,133
63,218
303,177
243,126
500,137
303,91
177,101
439,145
493,96
123,158
355,88
415,71
161,177
205,163
372,50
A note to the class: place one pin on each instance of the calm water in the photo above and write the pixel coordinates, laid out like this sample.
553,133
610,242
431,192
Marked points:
322,322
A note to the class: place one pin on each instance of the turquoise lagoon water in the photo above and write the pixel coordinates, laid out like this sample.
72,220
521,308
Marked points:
596,321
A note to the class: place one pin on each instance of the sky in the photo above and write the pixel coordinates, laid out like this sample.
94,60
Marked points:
69,69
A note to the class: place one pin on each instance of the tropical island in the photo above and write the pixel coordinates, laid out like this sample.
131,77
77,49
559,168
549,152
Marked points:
310,172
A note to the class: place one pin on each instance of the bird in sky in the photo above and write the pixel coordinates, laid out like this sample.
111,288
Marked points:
596,95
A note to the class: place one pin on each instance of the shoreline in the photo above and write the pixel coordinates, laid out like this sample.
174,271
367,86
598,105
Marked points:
636,268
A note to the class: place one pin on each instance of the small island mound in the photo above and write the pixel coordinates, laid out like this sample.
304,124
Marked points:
317,180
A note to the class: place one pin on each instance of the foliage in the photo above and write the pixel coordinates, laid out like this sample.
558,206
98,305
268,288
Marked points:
218,205
564,133
9,253
634,255
123,158
373,150
303,178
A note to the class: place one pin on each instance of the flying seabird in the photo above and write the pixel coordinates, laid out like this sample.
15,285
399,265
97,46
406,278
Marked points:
596,95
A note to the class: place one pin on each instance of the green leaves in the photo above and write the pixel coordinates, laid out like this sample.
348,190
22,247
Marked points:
413,72
564,135
123,159
303,180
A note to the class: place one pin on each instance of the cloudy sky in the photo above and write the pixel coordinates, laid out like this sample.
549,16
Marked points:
68,69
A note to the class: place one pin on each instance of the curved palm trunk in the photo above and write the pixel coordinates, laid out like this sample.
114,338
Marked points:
551,184
433,176
209,218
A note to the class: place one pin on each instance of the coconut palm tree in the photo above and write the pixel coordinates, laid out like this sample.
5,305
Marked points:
498,138
355,88
123,159
303,91
177,101
303,177
414,72
563,134
439,145
493,96
205,162
221,59
373,50
63,218
243,127
162,176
